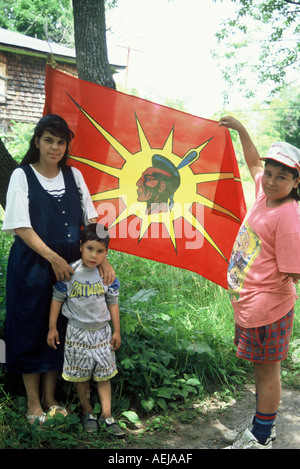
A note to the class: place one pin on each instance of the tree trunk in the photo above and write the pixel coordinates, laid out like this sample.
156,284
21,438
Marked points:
90,42
8,164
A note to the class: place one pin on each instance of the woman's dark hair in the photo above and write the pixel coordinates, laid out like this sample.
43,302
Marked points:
295,192
58,127
95,232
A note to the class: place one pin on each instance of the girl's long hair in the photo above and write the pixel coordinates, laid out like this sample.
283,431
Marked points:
58,127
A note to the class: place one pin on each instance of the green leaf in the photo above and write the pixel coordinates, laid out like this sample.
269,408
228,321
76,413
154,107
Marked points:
128,363
200,348
143,295
72,419
97,408
60,418
193,382
162,403
148,404
131,416
165,392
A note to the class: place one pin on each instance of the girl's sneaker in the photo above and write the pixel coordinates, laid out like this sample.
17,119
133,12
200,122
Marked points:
232,435
248,441
111,425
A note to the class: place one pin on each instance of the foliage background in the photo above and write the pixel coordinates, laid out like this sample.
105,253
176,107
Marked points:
177,346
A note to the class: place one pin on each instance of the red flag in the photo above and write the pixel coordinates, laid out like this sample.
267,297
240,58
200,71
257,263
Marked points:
164,182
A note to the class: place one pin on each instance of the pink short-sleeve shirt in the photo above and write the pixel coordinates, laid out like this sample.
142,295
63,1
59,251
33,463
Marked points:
266,248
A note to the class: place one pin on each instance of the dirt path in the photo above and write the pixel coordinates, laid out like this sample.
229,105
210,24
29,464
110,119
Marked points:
204,431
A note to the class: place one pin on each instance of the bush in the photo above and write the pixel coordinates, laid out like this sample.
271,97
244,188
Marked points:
176,335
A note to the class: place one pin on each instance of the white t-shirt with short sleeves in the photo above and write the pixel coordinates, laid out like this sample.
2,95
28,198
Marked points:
17,209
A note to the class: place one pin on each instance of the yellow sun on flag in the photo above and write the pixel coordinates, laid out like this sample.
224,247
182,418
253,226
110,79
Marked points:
186,197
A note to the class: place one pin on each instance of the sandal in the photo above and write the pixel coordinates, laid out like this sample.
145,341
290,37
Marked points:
42,418
54,408
90,423
112,426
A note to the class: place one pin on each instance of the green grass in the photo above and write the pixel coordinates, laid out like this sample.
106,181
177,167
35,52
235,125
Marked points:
177,347
177,331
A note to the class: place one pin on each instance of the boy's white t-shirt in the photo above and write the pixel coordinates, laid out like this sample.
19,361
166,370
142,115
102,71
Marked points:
266,248
17,209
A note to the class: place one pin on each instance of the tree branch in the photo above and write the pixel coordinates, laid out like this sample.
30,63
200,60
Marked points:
291,1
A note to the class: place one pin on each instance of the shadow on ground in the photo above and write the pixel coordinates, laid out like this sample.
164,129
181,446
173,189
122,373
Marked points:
206,428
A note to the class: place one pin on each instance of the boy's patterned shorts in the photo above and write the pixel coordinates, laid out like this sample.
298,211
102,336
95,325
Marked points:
265,344
88,354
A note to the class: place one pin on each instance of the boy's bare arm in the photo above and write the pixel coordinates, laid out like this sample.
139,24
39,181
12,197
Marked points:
53,336
250,152
115,318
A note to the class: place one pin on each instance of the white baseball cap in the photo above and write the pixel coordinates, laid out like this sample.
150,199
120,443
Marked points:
284,153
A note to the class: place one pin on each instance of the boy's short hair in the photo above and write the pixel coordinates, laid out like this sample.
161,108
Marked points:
95,232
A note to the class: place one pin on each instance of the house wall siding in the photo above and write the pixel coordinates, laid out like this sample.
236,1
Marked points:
22,93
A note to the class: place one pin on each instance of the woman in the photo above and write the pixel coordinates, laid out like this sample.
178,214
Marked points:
47,204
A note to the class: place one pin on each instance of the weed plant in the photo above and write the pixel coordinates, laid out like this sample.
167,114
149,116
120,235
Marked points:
177,346
177,333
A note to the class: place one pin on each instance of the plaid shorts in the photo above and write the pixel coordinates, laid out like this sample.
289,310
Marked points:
265,344
88,354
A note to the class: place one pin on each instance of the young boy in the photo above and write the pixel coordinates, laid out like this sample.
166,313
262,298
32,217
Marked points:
263,270
89,305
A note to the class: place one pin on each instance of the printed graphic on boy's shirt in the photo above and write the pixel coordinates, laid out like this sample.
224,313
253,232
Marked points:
86,289
245,250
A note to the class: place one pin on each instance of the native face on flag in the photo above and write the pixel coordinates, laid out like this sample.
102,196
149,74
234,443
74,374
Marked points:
165,183
158,184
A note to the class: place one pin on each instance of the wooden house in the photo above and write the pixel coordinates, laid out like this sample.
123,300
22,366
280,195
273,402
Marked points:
22,75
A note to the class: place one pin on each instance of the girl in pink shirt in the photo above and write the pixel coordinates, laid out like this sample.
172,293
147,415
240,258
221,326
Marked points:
263,270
